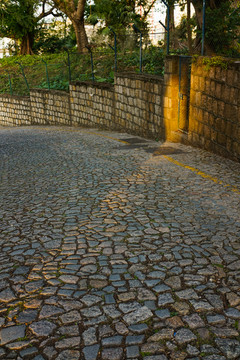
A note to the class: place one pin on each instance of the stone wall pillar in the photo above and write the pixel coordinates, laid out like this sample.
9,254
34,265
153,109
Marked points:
170,96
175,102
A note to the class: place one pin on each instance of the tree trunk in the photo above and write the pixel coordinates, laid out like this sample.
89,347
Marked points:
27,44
81,36
171,25
199,19
208,50
171,18
74,9
189,30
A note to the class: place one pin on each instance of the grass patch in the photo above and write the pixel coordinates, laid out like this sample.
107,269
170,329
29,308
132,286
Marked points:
58,70
25,338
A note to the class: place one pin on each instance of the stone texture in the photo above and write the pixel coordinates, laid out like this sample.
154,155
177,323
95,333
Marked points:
165,299
230,347
68,343
112,341
49,311
137,316
42,328
7,295
112,354
194,321
184,336
27,316
166,286
89,336
11,333
91,352
162,335
70,317
69,354
132,352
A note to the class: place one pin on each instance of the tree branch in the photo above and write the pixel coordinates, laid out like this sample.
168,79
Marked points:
80,8
57,14
43,6
44,14
66,6
146,12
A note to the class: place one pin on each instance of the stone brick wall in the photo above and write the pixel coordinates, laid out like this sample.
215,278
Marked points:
15,110
50,107
92,104
214,121
139,104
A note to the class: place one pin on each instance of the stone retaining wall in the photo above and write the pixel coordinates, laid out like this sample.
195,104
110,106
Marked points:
214,120
15,110
139,104
92,104
50,107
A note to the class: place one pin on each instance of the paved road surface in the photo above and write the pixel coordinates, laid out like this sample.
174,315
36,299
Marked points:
114,247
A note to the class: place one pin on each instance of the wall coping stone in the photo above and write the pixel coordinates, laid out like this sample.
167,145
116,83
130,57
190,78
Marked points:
234,63
105,86
169,57
18,97
144,77
55,92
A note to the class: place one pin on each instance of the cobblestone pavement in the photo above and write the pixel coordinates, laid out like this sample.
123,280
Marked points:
111,250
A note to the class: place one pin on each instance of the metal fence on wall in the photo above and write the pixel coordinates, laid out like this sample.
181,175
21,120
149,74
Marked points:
130,50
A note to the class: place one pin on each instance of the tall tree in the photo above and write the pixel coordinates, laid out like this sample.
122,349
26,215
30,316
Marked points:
222,24
74,9
19,20
121,14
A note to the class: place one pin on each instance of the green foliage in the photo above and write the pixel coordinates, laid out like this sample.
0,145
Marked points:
216,61
120,15
58,83
54,38
173,313
153,60
195,58
5,86
19,21
179,37
29,60
25,338
219,265
92,19
222,28
145,353
22,21
52,44
17,17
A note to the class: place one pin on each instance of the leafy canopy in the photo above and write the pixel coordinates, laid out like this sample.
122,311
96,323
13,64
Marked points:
120,14
17,18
